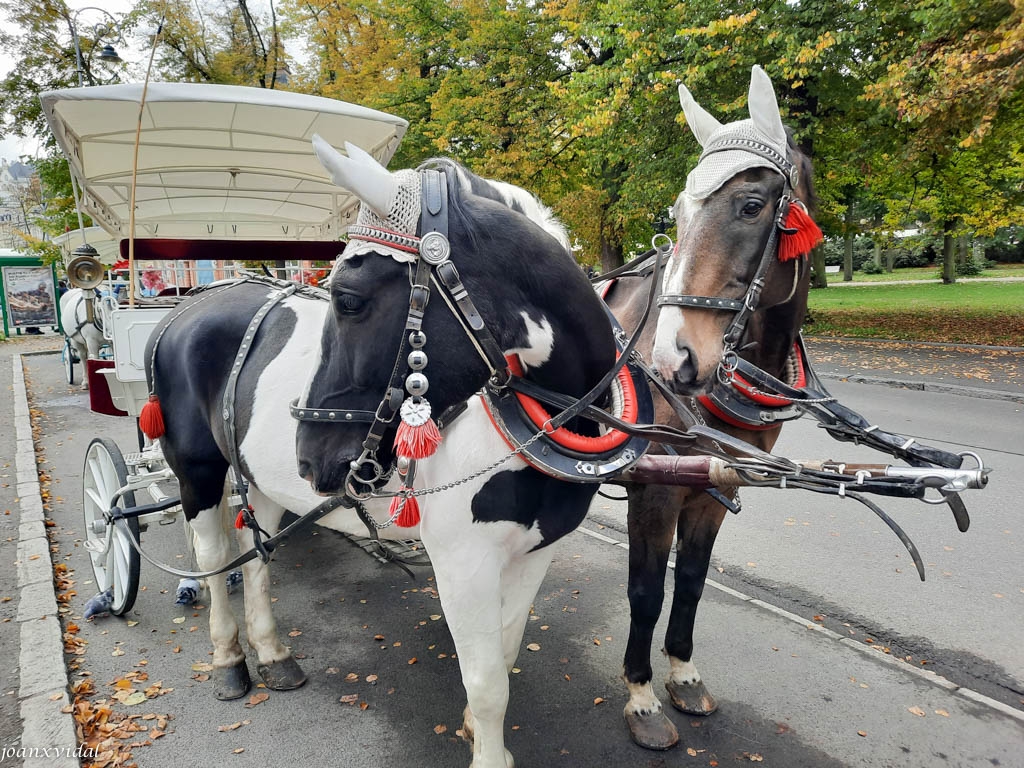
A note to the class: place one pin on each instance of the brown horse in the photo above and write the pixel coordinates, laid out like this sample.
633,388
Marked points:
729,236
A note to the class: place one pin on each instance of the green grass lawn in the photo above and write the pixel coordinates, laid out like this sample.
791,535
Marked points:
965,312
927,273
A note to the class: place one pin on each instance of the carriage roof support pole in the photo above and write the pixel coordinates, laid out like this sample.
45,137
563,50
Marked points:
135,166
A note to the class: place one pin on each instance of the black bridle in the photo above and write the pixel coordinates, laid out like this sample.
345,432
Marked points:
745,306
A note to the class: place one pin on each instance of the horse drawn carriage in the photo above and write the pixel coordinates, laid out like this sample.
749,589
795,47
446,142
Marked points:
507,453
225,181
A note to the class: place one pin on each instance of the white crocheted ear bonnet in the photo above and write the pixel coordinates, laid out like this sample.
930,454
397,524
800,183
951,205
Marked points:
764,127
370,232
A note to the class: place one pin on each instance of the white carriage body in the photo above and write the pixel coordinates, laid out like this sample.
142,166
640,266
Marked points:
215,164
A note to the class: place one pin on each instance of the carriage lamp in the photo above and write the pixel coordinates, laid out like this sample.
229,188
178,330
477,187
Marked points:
85,272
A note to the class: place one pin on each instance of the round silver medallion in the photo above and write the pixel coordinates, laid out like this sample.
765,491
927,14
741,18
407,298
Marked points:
417,359
416,384
434,248
415,411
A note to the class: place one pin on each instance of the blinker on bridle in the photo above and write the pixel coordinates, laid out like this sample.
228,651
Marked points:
792,235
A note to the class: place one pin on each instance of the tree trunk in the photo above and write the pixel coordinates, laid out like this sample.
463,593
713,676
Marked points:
948,254
978,254
890,259
847,257
818,278
848,241
611,254
963,254
877,253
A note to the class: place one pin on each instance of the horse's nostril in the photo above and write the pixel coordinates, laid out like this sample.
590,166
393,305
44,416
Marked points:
684,377
305,470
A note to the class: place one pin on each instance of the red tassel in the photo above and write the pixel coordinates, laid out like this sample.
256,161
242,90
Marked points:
807,234
151,418
240,519
417,442
409,517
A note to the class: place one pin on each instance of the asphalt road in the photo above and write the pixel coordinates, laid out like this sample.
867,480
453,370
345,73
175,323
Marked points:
790,695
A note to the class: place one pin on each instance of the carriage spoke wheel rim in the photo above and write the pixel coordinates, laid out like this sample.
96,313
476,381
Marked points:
69,362
119,565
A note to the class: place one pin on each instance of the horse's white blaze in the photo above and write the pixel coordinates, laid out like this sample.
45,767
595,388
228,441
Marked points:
683,672
642,700
268,449
487,576
666,355
540,340
213,550
260,626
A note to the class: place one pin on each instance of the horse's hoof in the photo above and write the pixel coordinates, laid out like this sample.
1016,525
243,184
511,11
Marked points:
691,698
652,731
231,682
283,675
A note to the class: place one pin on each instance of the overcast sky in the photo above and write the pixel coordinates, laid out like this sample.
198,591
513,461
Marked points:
10,147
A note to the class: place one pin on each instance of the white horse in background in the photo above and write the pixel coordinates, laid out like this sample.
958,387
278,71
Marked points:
85,338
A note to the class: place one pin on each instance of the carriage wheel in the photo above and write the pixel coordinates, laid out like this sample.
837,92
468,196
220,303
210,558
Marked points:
119,566
68,357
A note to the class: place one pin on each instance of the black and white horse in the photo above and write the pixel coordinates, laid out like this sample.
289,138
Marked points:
487,531
84,337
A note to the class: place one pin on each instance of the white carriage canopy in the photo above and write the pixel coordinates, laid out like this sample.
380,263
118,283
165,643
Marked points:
216,162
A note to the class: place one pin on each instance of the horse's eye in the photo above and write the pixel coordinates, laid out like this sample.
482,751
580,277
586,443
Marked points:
349,303
752,208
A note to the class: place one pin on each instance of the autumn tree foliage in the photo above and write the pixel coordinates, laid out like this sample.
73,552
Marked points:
912,111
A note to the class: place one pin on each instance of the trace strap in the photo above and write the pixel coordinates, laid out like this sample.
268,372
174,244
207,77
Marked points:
118,517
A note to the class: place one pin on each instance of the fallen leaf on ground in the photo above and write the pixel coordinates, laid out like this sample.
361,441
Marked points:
439,729
916,711
533,647
256,698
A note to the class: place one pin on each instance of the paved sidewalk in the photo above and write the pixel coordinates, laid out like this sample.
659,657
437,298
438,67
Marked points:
34,682
840,283
989,372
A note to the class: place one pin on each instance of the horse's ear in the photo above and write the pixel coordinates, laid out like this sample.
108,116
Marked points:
764,109
370,182
360,155
699,119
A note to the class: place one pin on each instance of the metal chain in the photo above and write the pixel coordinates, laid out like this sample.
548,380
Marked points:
755,390
448,486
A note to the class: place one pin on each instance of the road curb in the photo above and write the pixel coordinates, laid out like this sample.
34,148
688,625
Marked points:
871,651
43,680
936,344
928,386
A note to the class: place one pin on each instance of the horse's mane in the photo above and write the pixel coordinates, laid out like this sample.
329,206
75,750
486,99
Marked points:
516,198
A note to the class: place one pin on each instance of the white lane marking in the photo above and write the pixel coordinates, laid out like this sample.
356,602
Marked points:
871,651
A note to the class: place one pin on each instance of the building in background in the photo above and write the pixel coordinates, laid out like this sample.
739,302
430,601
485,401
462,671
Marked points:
20,198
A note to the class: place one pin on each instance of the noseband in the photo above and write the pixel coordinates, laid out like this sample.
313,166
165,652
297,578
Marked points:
748,304
433,265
